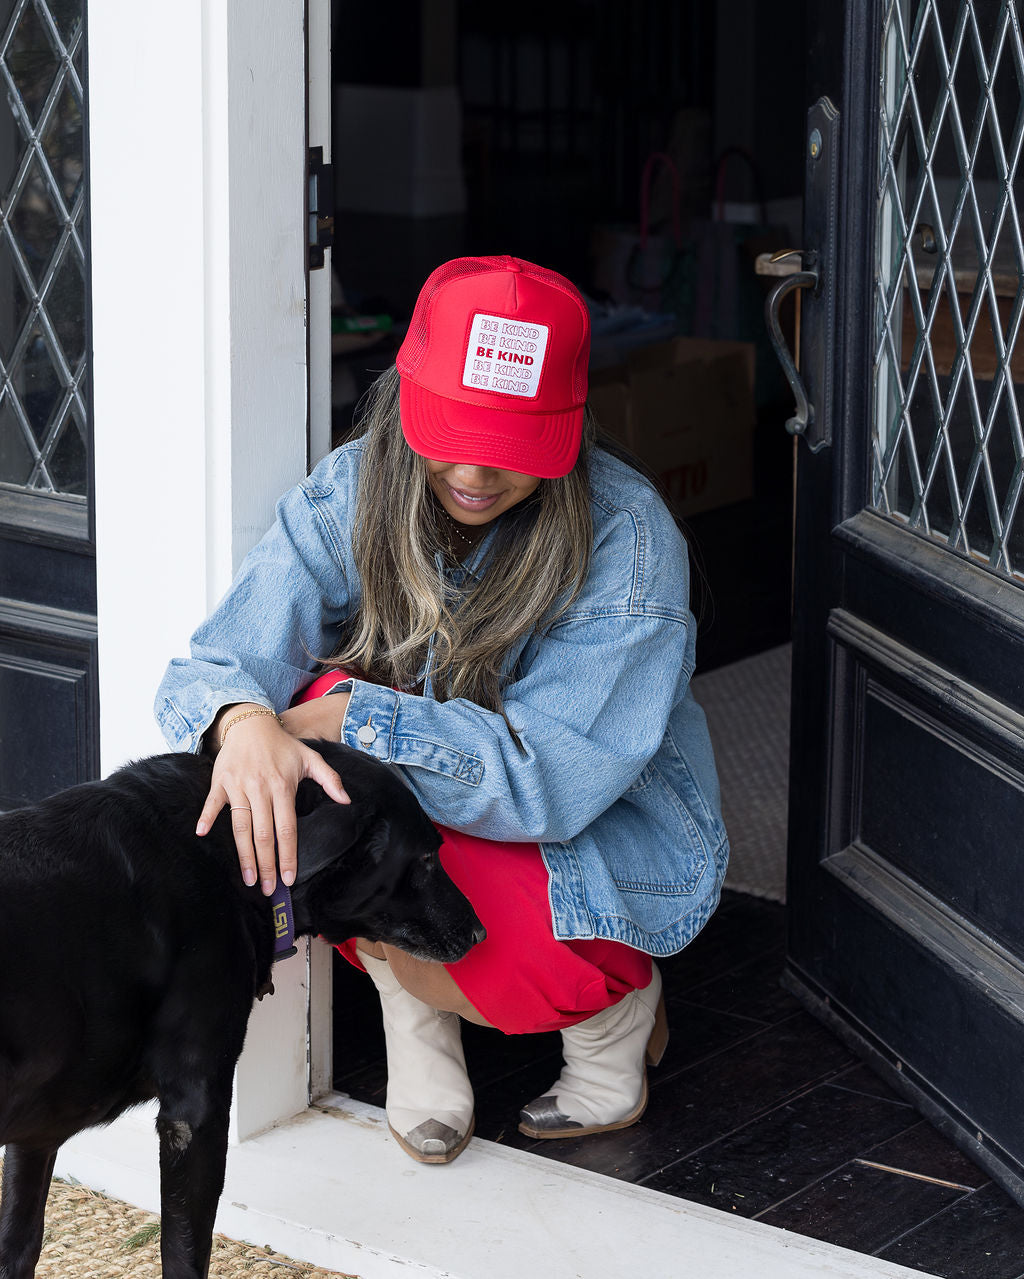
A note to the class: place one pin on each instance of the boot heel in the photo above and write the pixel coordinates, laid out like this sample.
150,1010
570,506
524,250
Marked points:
658,1041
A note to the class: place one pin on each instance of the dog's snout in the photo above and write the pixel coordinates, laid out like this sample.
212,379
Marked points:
479,934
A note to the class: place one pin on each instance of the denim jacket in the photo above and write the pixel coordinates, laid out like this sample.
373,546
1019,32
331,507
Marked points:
614,775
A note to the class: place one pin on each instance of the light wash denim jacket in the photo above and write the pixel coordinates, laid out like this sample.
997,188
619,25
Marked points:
615,777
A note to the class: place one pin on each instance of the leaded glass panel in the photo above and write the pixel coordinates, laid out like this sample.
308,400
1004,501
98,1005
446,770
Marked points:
44,435
947,441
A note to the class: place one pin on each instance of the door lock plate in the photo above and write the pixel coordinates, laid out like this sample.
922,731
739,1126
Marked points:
817,322
812,418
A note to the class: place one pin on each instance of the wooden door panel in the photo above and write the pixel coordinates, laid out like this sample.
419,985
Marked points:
44,572
902,988
960,842
906,867
48,704
915,593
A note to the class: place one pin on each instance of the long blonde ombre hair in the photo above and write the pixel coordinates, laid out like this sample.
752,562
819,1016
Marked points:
534,568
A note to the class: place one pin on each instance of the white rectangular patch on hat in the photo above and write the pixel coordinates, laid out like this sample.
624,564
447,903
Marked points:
505,355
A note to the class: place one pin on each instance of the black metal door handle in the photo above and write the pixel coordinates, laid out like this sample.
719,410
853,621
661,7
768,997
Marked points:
816,273
806,279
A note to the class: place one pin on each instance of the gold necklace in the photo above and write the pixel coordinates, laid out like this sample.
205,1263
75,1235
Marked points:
454,528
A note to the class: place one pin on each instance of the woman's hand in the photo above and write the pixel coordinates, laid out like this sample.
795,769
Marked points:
256,772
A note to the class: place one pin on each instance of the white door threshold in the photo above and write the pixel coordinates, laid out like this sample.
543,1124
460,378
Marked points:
331,1187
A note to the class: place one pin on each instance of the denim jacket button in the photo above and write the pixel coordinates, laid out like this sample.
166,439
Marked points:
366,735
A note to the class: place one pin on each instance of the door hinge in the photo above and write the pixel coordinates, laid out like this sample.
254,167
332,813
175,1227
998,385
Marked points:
320,187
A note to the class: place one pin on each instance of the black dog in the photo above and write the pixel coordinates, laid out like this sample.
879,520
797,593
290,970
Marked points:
131,952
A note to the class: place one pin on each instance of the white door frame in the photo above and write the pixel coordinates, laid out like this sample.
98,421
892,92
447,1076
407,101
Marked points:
197,158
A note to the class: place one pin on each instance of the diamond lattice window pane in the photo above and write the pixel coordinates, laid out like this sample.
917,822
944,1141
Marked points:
69,459
31,60
39,386
62,143
12,144
44,420
947,446
35,221
17,460
14,303
67,14
65,305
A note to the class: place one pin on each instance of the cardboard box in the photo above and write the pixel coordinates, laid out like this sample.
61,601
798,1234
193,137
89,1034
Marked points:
686,408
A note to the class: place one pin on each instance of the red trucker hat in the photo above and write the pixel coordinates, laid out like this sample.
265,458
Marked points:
494,367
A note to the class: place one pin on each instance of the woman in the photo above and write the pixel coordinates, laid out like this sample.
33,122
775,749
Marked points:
507,606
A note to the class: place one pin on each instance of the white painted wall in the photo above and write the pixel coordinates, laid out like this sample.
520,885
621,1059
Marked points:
197,153
197,170
148,240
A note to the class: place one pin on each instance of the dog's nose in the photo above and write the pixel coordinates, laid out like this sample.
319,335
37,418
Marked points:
479,933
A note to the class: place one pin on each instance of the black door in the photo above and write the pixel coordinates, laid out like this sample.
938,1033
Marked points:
49,729
906,875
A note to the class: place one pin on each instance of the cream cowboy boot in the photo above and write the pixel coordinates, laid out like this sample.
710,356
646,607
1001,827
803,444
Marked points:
429,1100
604,1082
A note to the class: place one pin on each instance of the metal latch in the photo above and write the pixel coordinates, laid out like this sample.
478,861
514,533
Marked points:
320,187
807,278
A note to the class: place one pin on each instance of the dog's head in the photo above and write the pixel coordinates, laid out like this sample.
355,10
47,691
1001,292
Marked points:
371,868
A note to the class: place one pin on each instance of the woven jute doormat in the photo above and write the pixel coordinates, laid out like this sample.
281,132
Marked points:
89,1236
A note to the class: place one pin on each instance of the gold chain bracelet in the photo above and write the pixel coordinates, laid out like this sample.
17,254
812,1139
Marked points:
253,710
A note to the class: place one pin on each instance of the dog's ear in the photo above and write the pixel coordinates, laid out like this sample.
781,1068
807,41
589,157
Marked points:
327,831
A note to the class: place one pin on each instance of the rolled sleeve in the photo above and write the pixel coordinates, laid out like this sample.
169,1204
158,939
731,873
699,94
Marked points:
372,726
185,734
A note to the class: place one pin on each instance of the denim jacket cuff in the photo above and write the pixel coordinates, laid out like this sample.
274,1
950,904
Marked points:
398,729
369,724
183,728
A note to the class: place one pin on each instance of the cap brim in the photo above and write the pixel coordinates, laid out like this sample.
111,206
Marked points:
542,444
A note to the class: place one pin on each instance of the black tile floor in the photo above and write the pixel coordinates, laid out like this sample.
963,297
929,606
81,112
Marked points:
756,1109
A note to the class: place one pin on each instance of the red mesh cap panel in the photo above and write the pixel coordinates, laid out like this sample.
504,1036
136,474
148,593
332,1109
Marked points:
414,347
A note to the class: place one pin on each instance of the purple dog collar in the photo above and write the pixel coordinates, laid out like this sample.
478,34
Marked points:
284,922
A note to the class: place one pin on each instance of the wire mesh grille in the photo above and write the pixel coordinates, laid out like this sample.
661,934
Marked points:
43,417
947,444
